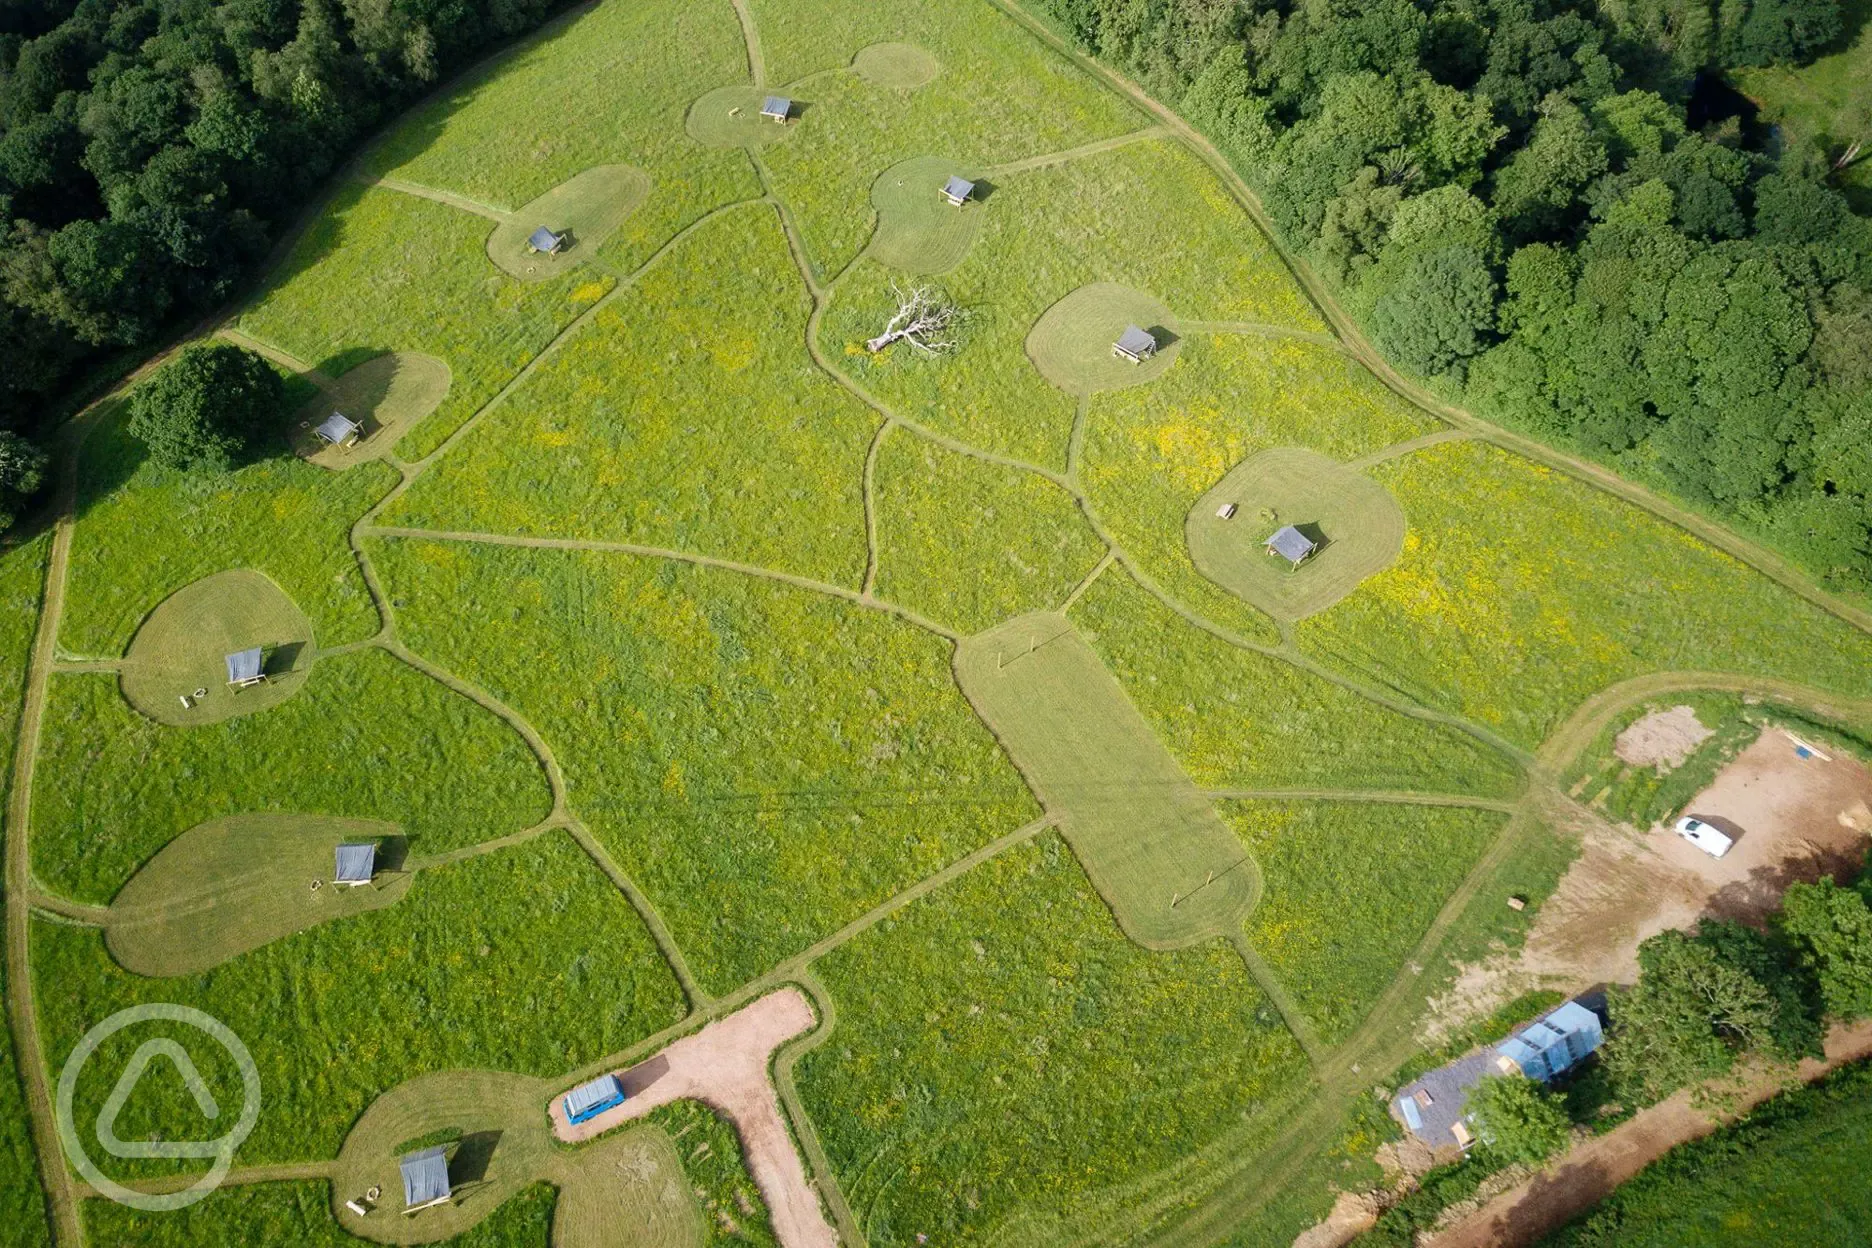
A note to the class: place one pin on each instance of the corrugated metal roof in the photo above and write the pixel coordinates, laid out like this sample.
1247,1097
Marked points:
355,863
1291,544
244,665
543,239
425,1176
958,188
1136,341
337,427
776,106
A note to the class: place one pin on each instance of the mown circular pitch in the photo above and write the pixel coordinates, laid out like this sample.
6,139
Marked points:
388,396
730,117
903,66
183,645
1358,525
918,230
586,209
1071,343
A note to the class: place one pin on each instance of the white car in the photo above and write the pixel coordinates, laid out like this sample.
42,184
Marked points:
1704,837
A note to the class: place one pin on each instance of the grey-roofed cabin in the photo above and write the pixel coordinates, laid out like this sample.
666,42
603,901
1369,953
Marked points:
1291,544
355,864
425,1178
339,429
777,108
246,667
957,190
1136,345
544,240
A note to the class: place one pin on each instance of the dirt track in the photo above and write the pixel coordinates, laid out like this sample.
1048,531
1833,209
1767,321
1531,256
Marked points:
1588,1173
725,1066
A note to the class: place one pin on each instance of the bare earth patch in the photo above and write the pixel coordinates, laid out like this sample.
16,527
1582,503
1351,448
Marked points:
1792,819
1662,739
725,1066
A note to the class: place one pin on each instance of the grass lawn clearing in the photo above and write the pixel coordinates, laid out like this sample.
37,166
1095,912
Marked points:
918,230
587,210
367,738
182,649
1171,871
1521,592
527,959
769,761
969,543
731,117
388,396
1357,525
1071,343
900,66
1351,887
1236,719
1003,1051
229,886
684,415
733,1210
1828,101
296,1213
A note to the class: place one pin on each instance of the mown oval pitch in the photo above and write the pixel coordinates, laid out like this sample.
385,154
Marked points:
177,669
584,210
1358,526
387,397
233,885
730,117
918,230
1071,343
902,66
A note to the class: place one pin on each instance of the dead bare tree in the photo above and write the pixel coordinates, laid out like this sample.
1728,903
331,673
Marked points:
923,319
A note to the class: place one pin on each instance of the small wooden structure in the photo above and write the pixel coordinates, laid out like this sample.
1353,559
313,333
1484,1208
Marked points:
246,668
777,108
544,241
425,1178
1291,544
1226,511
1136,345
957,191
356,863
339,430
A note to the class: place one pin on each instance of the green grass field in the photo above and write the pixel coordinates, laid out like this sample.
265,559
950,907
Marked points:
969,543
1827,102
297,1213
733,1212
1046,233
525,959
176,670
1002,1049
1521,592
1151,842
771,762
1351,887
684,416
367,738
1236,719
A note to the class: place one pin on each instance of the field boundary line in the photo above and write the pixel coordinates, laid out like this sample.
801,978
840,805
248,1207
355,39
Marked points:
678,556
750,37
435,195
1387,797
1398,450
1014,168
81,667
449,857
646,911
1750,553
1276,993
805,1132
872,554
65,908
282,1172
1075,441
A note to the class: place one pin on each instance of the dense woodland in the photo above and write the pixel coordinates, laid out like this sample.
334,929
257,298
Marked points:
150,151
1541,207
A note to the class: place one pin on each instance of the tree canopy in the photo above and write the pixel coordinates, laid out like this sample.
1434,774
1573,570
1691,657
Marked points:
208,408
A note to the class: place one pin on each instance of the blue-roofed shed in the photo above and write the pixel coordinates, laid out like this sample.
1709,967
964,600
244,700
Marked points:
588,1100
1136,345
338,429
246,667
355,864
425,1178
1291,544
776,108
545,240
1554,1044
957,190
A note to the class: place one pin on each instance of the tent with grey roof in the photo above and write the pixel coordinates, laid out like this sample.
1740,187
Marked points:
588,1100
957,190
1291,544
355,864
339,429
1136,345
246,667
545,240
425,1178
777,108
